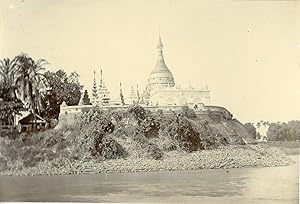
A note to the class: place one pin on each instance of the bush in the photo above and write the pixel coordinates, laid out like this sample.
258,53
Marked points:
149,126
188,112
92,136
146,148
178,128
106,147
251,129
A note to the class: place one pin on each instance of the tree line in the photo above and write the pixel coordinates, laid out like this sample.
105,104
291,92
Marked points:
289,131
25,85
277,131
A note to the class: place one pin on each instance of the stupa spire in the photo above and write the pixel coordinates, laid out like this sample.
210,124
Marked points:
101,78
121,95
161,76
160,50
137,93
159,44
94,90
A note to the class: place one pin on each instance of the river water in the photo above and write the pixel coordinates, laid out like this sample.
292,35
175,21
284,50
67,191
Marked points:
247,185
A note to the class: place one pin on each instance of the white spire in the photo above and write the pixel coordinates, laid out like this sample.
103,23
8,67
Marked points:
101,79
159,44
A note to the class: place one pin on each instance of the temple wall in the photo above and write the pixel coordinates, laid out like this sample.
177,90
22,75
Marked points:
179,97
68,114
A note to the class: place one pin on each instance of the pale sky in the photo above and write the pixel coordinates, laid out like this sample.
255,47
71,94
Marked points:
248,51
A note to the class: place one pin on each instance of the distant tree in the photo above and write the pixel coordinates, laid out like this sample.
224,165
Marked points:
294,126
251,129
86,99
66,88
56,81
284,131
51,107
73,93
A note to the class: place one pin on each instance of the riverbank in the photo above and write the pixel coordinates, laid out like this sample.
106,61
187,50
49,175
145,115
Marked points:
288,147
231,156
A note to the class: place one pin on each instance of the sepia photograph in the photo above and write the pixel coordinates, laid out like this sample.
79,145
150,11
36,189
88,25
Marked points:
162,101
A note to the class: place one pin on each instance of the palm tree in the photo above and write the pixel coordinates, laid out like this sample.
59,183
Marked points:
7,70
7,76
38,81
30,81
9,104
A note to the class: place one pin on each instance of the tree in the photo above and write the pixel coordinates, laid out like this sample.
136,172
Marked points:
21,85
251,129
51,107
73,93
56,82
66,88
9,106
294,126
86,99
39,82
284,131
7,72
29,81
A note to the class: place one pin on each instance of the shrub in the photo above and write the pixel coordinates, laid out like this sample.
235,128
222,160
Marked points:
188,112
149,126
139,112
146,148
179,128
105,147
251,129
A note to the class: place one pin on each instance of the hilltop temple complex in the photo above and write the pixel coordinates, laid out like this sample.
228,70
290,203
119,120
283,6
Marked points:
160,90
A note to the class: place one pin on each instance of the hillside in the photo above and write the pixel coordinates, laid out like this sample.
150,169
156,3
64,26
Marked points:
101,136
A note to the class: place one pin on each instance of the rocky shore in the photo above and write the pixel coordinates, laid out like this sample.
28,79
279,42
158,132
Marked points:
231,156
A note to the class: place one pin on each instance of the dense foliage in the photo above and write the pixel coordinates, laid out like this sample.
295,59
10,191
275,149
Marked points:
113,134
25,86
66,88
251,129
289,131
9,104
21,86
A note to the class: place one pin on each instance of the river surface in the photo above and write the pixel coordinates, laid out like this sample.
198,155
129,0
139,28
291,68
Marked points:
247,185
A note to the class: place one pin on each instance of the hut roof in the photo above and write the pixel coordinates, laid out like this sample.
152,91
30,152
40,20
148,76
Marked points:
29,118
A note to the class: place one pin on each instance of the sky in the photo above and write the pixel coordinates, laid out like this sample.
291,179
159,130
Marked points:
247,51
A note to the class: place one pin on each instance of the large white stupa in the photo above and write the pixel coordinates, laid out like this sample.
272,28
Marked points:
161,89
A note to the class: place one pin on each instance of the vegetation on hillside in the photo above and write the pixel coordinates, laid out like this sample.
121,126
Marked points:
24,85
104,135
